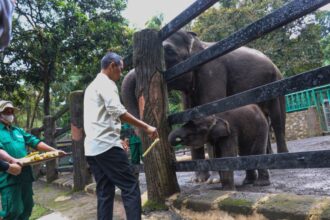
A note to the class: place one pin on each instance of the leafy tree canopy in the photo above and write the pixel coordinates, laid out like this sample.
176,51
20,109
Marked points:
294,48
57,46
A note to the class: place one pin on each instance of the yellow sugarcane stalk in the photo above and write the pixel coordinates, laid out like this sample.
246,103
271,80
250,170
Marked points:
151,146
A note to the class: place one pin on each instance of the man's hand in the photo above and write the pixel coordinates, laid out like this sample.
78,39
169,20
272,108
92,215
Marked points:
152,132
14,169
124,143
16,161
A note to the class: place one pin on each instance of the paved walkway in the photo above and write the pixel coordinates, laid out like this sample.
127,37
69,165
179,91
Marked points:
69,205
283,199
54,216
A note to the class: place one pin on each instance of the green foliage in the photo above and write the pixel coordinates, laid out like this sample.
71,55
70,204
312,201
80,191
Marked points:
155,22
294,48
38,211
324,20
325,45
57,46
151,206
175,101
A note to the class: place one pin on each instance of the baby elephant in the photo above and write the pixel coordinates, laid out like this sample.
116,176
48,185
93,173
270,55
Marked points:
242,131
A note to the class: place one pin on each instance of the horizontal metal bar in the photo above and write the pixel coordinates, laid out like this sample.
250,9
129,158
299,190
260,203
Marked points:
61,112
288,13
311,159
65,169
64,142
62,131
185,17
263,93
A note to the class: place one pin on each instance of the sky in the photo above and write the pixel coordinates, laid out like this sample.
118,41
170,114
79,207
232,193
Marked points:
138,12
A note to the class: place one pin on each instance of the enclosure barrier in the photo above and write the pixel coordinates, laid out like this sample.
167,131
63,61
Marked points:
321,76
303,100
317,77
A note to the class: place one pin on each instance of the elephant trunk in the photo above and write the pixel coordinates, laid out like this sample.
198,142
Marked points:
128,93
175,138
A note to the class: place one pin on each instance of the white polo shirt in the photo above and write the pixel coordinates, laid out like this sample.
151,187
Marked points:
102,108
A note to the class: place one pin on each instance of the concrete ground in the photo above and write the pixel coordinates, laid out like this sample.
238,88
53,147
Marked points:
68,205
293,194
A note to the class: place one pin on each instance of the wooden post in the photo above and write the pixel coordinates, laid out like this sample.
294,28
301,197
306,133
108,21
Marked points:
49,124
148,58
81,174
36,169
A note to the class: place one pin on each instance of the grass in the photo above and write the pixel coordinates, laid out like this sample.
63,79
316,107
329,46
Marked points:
39,211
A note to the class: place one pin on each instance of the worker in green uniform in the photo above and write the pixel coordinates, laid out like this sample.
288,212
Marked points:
16,191
135,145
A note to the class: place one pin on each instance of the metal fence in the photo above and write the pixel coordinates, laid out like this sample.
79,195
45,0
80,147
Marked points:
317,77
302,100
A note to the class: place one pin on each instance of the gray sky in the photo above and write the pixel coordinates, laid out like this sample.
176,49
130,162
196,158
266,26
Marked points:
138,12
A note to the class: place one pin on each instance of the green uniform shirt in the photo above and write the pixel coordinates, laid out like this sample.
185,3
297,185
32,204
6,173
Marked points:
14,141
128,132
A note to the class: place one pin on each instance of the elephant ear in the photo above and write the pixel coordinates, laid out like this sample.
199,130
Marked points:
195,44
220,129
192,33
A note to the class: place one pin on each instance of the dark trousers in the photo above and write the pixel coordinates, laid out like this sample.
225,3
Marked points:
111,169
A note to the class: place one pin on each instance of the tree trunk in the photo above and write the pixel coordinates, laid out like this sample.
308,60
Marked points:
46,93
148,58
28,113
35,109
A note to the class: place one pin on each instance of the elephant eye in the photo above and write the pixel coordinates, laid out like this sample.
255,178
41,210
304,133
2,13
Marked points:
170,52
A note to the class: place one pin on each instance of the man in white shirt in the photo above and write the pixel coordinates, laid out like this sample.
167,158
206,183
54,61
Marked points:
6,12
103,113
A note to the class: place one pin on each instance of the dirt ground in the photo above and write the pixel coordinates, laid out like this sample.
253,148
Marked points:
298,181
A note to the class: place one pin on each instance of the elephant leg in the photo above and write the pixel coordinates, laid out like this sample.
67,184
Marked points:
251,177
277,117
227,180
214,175
200,176
228,148
269,144
263,178
259,148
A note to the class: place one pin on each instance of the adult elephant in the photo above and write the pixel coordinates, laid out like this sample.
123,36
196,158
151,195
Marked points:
237,71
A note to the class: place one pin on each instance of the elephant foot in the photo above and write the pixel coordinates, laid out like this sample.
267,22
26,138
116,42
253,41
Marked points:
250,178
283,150
200,177
261,182
248,181
214,178
228,188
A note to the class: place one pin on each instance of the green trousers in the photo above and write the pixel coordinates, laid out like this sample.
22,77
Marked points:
136,152
17,201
